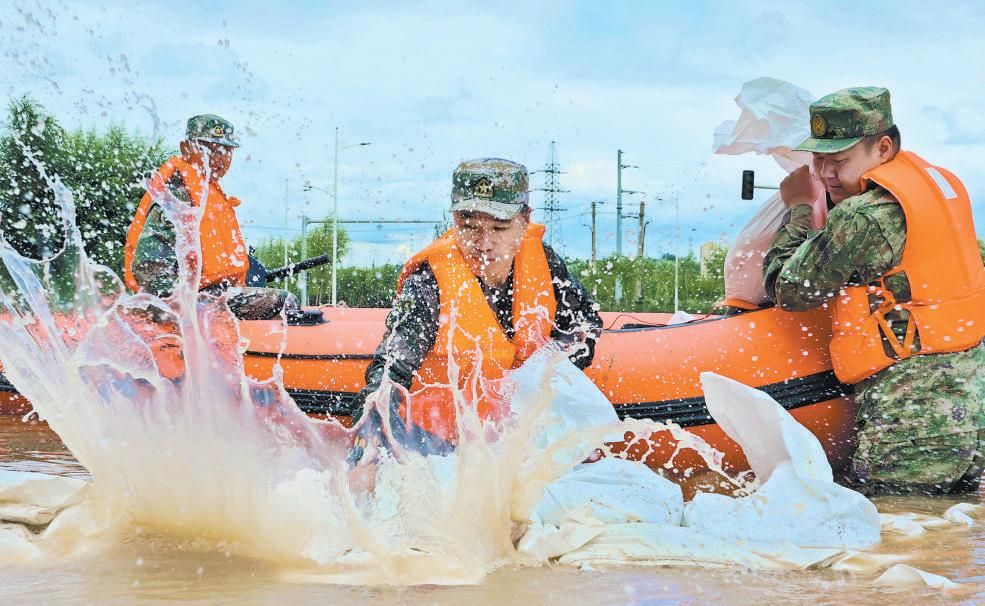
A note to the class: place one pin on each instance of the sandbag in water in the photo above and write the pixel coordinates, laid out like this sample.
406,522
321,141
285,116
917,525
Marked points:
798,501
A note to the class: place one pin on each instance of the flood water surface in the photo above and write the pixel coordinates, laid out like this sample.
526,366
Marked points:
151,570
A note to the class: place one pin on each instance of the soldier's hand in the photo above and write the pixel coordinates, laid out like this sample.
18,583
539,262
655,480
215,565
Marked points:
800,187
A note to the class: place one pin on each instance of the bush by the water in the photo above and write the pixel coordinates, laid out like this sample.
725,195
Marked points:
376,286
104,170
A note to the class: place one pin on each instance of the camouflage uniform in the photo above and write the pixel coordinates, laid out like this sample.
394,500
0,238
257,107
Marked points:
922,420
155,262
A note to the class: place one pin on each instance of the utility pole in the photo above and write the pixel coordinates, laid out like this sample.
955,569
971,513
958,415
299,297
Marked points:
618,202
335,222
677,251
303,278
639,256
619,192
595,212
594,263
287,280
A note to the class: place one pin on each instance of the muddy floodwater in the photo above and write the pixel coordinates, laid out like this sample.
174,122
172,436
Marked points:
157,571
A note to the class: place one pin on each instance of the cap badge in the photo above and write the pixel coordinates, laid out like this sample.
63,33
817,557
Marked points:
483,188
218,130
818,125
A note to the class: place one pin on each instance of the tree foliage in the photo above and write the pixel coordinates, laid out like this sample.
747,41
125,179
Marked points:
105,172
648,284
376,286
271,254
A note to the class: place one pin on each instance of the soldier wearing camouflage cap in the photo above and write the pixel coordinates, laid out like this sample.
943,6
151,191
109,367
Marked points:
491,292
150,258
899,265
210,128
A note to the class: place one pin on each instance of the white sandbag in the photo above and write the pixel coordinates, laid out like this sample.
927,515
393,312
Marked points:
577,404
774,116
659,545
773,120
577,420
798,501
914,525
863,562
17,544
579,505
902,576
964,513
35,498
612,491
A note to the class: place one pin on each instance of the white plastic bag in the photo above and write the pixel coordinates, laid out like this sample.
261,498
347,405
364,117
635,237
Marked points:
773,120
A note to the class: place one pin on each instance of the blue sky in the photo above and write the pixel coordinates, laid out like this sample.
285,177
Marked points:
438,82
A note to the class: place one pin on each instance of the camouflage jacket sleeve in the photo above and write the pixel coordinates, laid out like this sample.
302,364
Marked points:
411,331
577,318
862,240
155,262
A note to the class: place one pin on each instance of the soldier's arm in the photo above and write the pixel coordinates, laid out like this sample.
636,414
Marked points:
412,329
155,262
577,318
861,240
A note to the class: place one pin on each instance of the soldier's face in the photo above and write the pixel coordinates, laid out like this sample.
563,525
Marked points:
489,244
841,173
218,157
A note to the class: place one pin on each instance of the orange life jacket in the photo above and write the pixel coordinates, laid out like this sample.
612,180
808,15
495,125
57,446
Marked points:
943,266
470,334
224,253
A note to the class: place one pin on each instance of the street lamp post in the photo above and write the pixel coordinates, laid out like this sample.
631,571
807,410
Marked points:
335,215
303,278
287,196
677,250
335,220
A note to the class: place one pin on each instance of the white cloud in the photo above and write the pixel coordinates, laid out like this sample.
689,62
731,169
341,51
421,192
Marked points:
436,83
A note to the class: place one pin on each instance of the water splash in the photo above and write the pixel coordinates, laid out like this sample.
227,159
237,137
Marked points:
150,396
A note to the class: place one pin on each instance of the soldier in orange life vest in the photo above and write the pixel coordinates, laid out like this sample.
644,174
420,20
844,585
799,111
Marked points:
488,293
150,260
899,266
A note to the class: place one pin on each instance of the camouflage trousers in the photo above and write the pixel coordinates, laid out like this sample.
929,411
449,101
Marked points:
922,426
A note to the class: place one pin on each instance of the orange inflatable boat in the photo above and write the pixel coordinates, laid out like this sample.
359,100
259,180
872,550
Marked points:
647,368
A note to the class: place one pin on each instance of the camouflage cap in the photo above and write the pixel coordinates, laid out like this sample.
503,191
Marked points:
490,185
842,119
211,128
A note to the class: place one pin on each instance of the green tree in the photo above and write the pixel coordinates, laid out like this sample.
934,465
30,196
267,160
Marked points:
715,263
656,278
28,212
368,286
108,180
271,254
104,171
